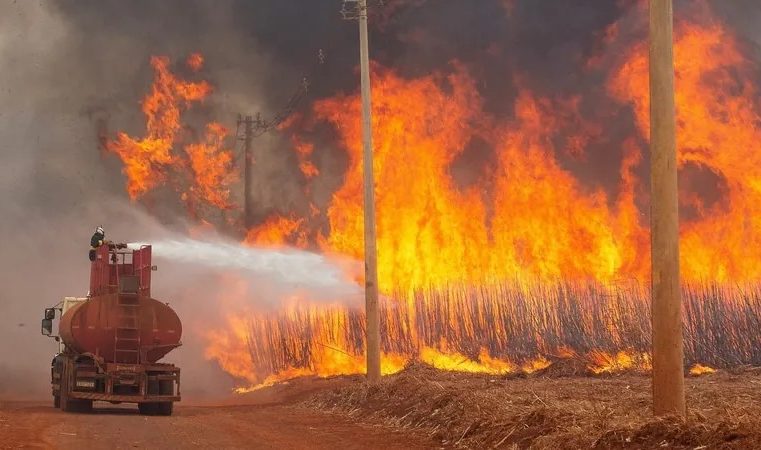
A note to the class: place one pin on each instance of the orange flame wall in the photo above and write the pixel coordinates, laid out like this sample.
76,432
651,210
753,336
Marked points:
526,217
537,220
717,129
540,222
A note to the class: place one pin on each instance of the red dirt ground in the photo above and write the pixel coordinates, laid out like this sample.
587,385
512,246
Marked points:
418,408
269,419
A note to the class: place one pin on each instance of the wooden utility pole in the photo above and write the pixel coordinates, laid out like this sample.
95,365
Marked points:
371,257
247,162
668,352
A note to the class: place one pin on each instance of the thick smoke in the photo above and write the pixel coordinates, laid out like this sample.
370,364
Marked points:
744,15
71,69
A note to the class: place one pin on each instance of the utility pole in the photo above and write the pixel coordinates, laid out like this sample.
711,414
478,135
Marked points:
668,351
371,258
248,132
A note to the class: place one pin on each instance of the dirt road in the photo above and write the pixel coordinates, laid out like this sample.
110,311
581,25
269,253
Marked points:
271,418
36,425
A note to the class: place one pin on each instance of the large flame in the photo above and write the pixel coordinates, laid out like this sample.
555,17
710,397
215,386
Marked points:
527,260
428,231
211,166
145,160
537,221
278,231
528,216
149,160
717,130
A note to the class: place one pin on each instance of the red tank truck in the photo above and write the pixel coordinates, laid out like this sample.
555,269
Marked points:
110,342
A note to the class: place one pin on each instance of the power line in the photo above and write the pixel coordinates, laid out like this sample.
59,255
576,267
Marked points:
262,126
351,9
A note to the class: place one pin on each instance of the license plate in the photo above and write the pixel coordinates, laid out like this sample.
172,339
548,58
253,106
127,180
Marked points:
85,384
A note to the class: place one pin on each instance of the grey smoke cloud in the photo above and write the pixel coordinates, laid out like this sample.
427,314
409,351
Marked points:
65,66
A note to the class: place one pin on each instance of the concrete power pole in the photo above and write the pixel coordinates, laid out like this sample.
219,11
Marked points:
668,352
359,11
247,162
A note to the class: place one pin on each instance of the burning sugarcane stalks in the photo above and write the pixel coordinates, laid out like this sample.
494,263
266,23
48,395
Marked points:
505,327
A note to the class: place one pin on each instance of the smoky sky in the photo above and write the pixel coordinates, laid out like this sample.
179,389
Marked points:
258,53
546,39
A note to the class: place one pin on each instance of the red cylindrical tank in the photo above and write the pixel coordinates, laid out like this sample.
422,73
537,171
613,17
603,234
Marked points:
122,328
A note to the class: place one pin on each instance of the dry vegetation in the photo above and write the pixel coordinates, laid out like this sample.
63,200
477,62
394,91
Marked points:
515,323
551,411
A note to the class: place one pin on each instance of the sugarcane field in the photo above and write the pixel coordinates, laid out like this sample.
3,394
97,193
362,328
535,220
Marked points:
380,224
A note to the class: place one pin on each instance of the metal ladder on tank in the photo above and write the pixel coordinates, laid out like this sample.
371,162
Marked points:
127,333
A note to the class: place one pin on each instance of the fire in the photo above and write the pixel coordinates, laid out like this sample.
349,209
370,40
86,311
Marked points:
324,355
524,262
699,369
211,167
536,365
430,232
146,160
228,348
278,231
150,160
538,223
304,150
452,360
574,236
717,130
623,361
195,61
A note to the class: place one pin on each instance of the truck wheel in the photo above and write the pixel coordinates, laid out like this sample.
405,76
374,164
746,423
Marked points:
68,404
83,406
56,401
63,397
148,409
165,408
79,406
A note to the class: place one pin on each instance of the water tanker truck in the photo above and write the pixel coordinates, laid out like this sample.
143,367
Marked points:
111,341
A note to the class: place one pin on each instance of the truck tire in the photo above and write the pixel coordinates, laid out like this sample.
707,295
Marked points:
63,397
83,406
148,409
166,387
165,408
69,404
76,405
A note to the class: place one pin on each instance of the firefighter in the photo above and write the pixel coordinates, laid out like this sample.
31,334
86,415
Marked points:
98,238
